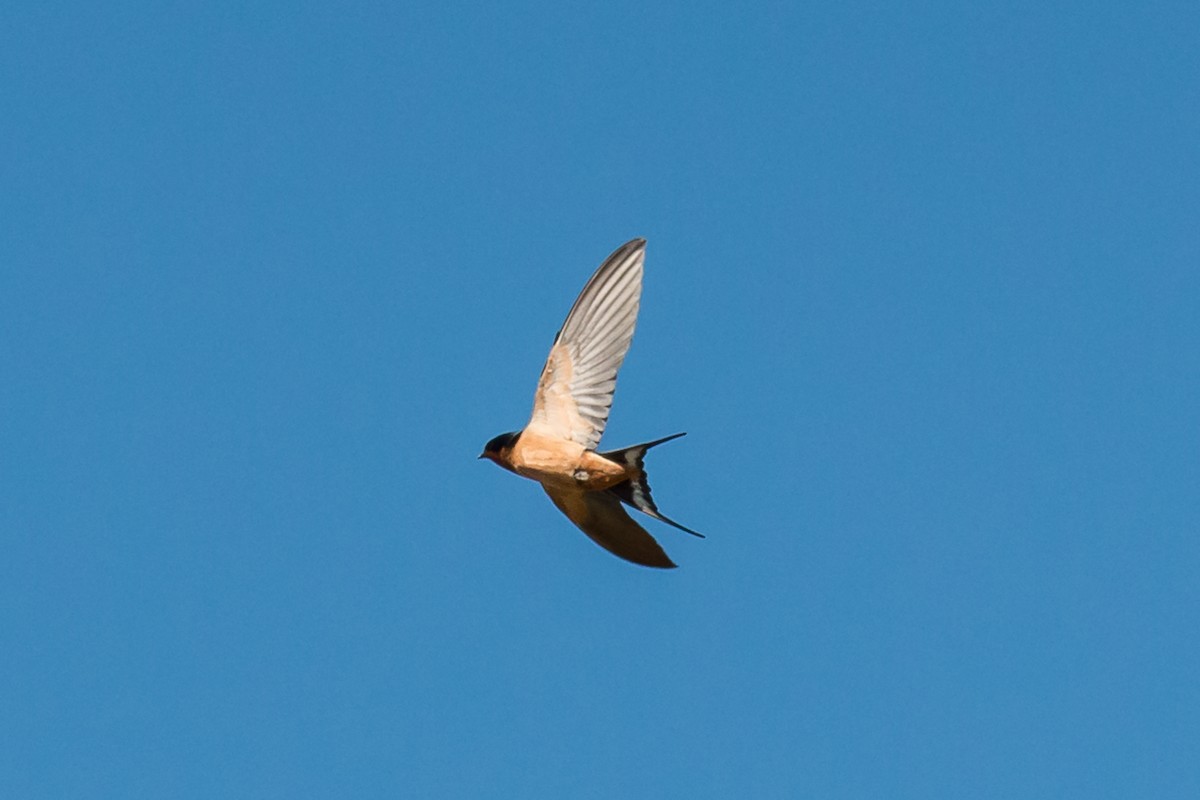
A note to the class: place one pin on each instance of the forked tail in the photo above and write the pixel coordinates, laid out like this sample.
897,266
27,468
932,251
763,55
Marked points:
636,491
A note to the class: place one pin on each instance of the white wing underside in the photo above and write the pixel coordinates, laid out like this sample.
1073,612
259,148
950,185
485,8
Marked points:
575,392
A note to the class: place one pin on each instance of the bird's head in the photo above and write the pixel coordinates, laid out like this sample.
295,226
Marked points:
500,448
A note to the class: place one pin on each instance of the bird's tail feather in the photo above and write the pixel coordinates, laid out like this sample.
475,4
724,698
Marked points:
636,491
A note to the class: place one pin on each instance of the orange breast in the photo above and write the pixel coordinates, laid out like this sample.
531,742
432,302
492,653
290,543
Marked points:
564,463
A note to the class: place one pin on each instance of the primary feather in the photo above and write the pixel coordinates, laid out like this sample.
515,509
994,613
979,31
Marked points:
576,388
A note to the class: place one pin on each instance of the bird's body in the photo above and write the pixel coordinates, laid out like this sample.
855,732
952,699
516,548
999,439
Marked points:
557,448
553,462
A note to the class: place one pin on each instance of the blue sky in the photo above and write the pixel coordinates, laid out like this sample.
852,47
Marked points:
922,285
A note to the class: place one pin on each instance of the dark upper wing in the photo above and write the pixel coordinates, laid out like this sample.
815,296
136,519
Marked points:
601,516
576,388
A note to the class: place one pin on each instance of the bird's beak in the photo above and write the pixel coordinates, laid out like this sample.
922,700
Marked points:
481,455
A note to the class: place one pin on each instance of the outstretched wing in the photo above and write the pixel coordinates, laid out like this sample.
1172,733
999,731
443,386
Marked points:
601,516
575,391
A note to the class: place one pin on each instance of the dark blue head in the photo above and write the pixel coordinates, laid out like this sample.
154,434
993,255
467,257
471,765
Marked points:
498,448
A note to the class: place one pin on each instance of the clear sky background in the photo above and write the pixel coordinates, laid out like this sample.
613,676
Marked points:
922,284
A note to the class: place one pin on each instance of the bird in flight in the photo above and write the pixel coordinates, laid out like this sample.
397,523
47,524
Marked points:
557,448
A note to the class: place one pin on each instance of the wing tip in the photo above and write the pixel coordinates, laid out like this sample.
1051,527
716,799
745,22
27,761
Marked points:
635,247
652,556
665,563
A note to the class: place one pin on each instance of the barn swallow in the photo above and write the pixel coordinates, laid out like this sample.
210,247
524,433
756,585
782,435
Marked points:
557,448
